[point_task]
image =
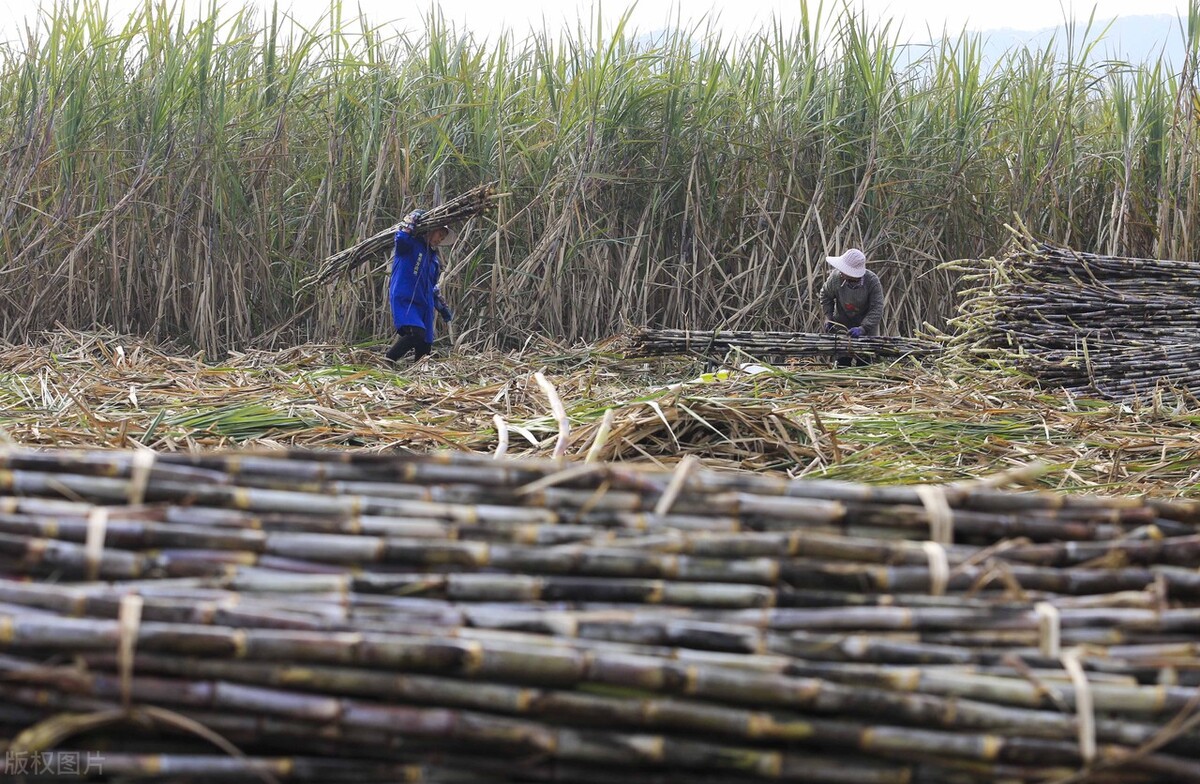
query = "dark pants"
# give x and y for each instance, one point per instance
(410, 339)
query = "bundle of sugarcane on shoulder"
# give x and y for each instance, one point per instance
(349, 617)
(413, 291)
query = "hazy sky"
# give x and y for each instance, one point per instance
(738, 15)
(490, 16)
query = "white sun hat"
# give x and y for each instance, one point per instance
(852, 263)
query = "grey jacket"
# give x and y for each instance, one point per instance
(854, 307)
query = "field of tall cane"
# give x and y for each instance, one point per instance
(179, 177)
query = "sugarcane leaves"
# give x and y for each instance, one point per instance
(240, 422)
(147, 437)
(657, 409)
(683, 407)
(525, 433)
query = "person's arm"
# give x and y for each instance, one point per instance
(403, 244)
(875, 308)
(828, 299)
(441, 306)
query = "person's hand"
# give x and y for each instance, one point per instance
(856, 332)
(831, 326)
(445, 311)
(408, 223)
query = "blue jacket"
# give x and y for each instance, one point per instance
(413, 288)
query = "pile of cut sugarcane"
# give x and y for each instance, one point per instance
(1117, 327)
(651, 342)
(465, 206)
(353, 617)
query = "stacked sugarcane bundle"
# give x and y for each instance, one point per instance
(652, 342)
(474, 202)
(450, 617)
(1117, 327)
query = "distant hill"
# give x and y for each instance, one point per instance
(1133, 39)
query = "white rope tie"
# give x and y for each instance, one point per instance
(129, 621)
(1049, 630)
(93, 546)
(939, 567)
(139, 475)
(941, 517)
(1084, 706)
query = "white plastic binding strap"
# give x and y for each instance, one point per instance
(941, 517)
(93, 546)
(1083, 705)
(1049, 630)
(139, 475)
(129, 621)
(939, 568)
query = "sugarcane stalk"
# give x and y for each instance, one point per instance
(465, 476)
(470, 725)
(664, 714)
(657, 342)
(528, 664)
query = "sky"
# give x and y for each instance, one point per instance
(914, 18)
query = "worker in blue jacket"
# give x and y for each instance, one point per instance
(413, 290)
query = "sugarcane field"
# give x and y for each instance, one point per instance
(388, 401)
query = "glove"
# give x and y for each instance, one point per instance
(445, 312)
(408, 223)
(831, 326)
(856, 332)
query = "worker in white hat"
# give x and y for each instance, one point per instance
(852, 297)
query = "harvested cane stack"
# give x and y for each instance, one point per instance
(1117, 327)
(343, 617)
(651, 342)
(476, 201)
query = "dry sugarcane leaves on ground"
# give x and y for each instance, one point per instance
(890, 422)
